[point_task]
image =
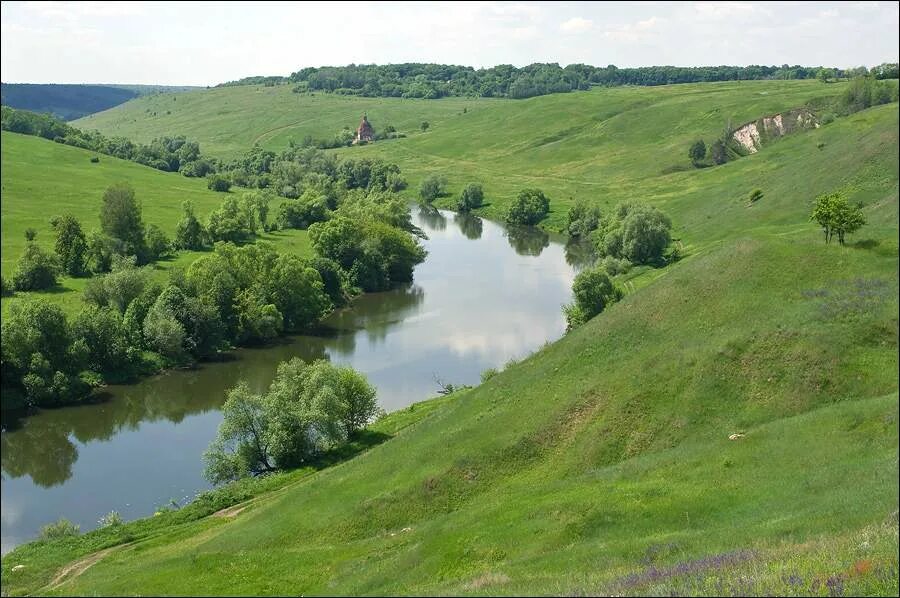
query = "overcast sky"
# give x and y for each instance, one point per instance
(208, 43)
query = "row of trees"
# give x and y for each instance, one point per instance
(132, 325)
(430, 81)
(234, 295)
(122, 233)
(298, 169)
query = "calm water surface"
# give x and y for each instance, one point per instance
(484, 295)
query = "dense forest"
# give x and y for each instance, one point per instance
(430, 81)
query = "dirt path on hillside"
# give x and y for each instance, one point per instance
(75, 569)
(287, 126)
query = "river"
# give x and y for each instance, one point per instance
(485, 294)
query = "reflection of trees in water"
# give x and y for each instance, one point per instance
(432, 218)
(42, 452)
(527, 240)
(470, 226)
(580, 253)
(375, 313)
(41, 446)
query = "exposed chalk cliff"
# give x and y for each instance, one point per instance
(754, 134)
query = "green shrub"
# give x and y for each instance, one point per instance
(95, 160)
(218, 183)
(755, 195)
(615, 266)
(61, 529)
(111, 519)
(432, 187)
(36, 270)
(583, 218)
(488, 374)
(593, 291)
(529, 207)
(471, 198)
(158, 244)
(636, 232)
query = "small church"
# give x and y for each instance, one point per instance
(365, 132)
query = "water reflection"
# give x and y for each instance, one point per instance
(527, 240)
(469, 225)
(432, 218)
(44, 453)
(580, 253)
(475, 304)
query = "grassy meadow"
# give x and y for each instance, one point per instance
(42, 179)
(601, 464)
(606, 144)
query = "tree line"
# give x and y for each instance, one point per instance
(237, 294)
(432, 81)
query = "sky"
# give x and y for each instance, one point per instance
(202, 43)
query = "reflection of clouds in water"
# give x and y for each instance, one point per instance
(474, 305)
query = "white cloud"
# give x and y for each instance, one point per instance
(576, 25)
(729, 10)
(634, 31)
(181, 43)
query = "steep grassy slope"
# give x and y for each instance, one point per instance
(229, 120)
(605, 144)
(602, 464)
(42, 179)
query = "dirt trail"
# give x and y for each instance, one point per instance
(232, 511)
(75, 569)
(279, 128)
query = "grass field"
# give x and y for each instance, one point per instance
(602, 464)
(605, 144)
(42, 179)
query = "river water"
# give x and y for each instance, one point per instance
(485, 294)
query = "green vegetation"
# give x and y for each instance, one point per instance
(636, 232)
(432, 81)
(36, 270)
(309, 409)
(593, 291)
(836, 216)
(166, 153)
(603, 463)
(135, 322)
(608, 144)
(471, 198)
(432, 187)
(529, 207)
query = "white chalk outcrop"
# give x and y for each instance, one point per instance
(754, 134)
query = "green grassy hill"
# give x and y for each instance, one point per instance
(602, 464)
(42, 179)
(607, 144)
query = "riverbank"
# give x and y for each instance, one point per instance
(33, 567)
(484, 296)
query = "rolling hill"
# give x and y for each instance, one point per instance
(602, 464)
(606, 144)
(42, 179)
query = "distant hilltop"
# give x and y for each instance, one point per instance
(432, 81)
(71, 101)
